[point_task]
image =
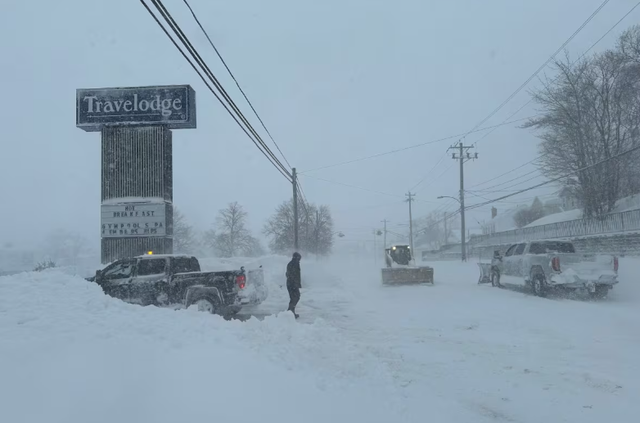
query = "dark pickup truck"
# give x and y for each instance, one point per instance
(177, 281)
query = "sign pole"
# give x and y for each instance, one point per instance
(137, 162)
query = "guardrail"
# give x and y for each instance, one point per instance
(611, 224)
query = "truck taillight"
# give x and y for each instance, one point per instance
(555, 264)
(241, 281)
(615, 264)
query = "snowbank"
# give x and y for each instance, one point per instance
(454, 352)
(71, 354)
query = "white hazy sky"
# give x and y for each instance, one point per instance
(333, 80)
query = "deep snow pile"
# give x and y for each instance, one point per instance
(70, 354)
(454, 352)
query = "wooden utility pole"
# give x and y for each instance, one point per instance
(410, 200)
(446, 234)
(295, 208)
(385, 232)
(375, 248)
(463, 156)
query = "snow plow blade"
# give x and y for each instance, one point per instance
(407, 275)
(485, 273)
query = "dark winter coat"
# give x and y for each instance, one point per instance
(293, 274)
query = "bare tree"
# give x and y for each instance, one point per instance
(629, 44)
(589, 114)
(315, 229)
(321, 237)
(184, 237)
(431, 231)
(231, 235)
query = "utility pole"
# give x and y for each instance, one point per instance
(446, 234)
(375, 248)
(463, 155)
(385, 232)
(317, 230)
(295, 208)
(410, 200)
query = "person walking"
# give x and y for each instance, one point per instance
(294, 282)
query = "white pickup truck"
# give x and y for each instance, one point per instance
(547, 264)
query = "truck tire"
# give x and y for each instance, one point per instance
(207, 304)
(539, 285)
(207, 299)
(600, 293)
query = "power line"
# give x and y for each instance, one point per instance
(512, 180)
(193, 52)
(429, 172)
(433, 181)
(508, 172)
(544, 65)
(508, 119)
(573, 63)
(361, 188)
(411, 147)
(235, 80)
(555, 179)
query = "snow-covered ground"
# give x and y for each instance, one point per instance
(452, 352)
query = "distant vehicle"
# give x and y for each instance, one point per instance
(551, 264)
(177, 281)
(399, 270)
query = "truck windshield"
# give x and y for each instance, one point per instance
(551, 247)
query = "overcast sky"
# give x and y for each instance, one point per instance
(334, 81)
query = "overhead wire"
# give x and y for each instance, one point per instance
(193, 52)
(567, 175)
(544, 65)
(405, 148)
(363, 189)
(433, 181)
(508, 172)
(235, 80)
(508, 118)
(429, 172)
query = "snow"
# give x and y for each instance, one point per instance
(557, 217)
(503, 221)
(127, 200)
(453, 352)
(622, 205)
(628, 203)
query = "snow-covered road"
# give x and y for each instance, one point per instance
(452, 352)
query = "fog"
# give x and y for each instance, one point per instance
(334, 81)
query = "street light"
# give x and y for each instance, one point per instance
(463, 248)
(448, 196)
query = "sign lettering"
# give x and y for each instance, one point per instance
(131, 220)
(172, 105)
